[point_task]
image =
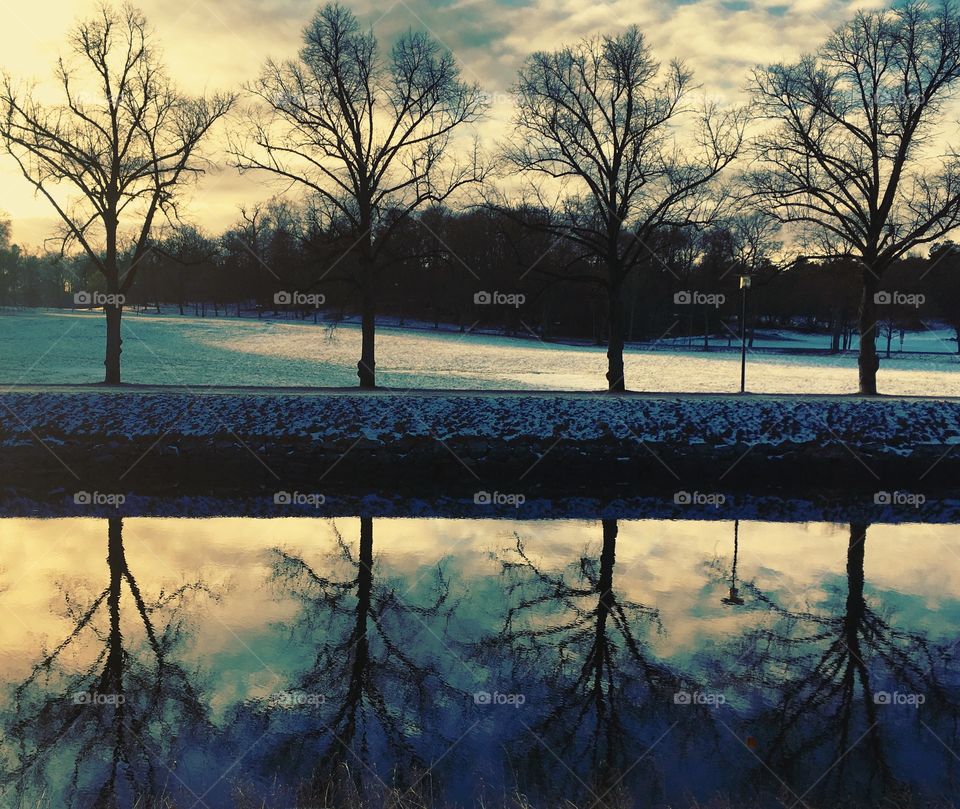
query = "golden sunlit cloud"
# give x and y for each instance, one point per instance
(212, 45)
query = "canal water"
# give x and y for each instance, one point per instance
(452, 662)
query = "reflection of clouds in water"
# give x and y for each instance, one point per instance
(95, 710)
(663, 563)
(265, 635)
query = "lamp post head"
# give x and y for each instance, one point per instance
(734, 598)
(745, 282)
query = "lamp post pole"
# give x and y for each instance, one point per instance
(734, 597)
(744, 286)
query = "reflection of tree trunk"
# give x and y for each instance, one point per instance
(345, 724)
(606, 603)
(607, 559)
(112, 677)
(111, 680)
(854, 627)
(601, 652)
(360, 642)
(856, 606)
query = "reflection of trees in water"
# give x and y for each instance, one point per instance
(597, 698)
(384, 694)
(98, 733)
(822, 670)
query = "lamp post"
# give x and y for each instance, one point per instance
(734, 597)
(744, 286)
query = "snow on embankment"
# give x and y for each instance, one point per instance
(449, 439)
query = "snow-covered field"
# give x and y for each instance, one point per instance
(41, 346)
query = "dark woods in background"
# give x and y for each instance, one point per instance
(278, 248)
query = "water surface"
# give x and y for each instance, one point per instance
(306, 662)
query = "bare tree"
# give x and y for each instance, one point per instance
(853, 156)
(369, 135)
(121, 142)
(594, 131)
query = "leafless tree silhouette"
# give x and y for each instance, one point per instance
(594, 134)
(121, 143)
(369, 136)
(854, 158)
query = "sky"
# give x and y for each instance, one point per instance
(212, 45)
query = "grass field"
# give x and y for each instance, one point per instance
(52, 346)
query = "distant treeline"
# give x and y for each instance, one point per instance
(484, 269)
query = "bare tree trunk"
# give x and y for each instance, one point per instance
(112, 360)
(868, 360)
(615, 340)
(366, 368)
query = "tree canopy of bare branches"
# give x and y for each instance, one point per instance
(112, 154)
(853, 157)
(595, 137)
(368, 134)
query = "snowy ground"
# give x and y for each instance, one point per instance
(67, 347)
(900, 425)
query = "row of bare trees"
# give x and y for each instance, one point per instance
(608, 150)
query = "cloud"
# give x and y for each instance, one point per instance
(214, 44)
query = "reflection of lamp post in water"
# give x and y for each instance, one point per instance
(734, 597)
